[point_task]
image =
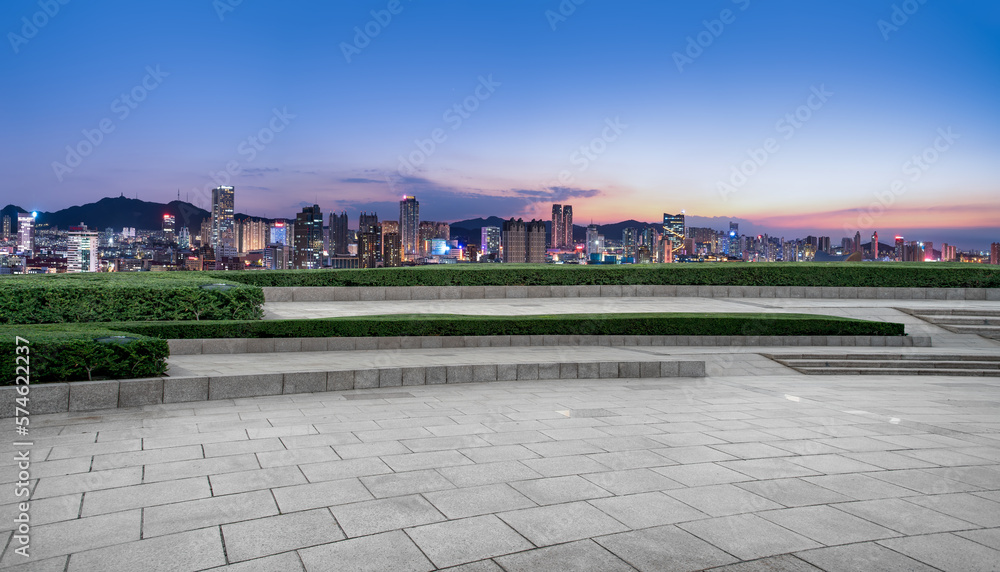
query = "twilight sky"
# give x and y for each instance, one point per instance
(799, 116)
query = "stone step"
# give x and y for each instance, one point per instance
(977, 320)
(956, 312)
(987, 331)
(897, 364)
(890, 371)
(888, 356)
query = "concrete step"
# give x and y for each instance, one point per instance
(986, 331)
(892, 371)
(964, 320)
(899, 364)
(956, 312)
(887, 357)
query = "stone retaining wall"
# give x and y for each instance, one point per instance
(97, 395)
(268, 345)
(377, 293)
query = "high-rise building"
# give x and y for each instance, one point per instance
(442, 230)
(391, 243)
(874, 245)
(823, 244)
(558, 228)
(26, 232)
(369, 240)
(490, 241)
(409, 219)
(629, 242)
(948, 253)
(253, 234)
(995, 253)
(223, 221)
(900, 245)
(6, 227)
(338, 234)
(513, 241)
(568, 241)
(535, 237)
(928, 252)
(279, 233)
(674, 232)
(733, 240)
(857, 241)
(82, 255)
(426, 232)
(184, 238)
(595, 242)
(169, 227)
(309, 238)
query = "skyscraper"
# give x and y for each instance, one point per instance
(595, 242)
(223, 223)
(874, 245)
(309, 238)
(629, 242)
(535, 237)
(900, 244)
(490, 240)
(6, 226)
(513, 241)
(568, 241)
(279, 233)
(995, 253)
(81, 255)
(391, 244)
(369, 240)
(558, 228)
(169, 227)
(409, 220)
(733, 244)
(673, 232)
(426, 232)
(338, 233)
(26, 232)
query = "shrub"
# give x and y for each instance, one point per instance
(707, 324)
(77, 352)
(104, 298)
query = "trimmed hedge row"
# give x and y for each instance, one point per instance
(77, 352)
(685, 324)
(105, 298)
(924, 275)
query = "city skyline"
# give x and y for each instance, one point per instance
(821, 119)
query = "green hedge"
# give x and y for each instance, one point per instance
(925, 275)
(74, 353)
(108, 297)
(686, 324)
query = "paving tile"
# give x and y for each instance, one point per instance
(947, 552)
(467, 540)
(923, 482)
(635, 459)
(43, 511)
(387, 552)
(748, 536)
(199, 467)
(985, 477)
(408, 483)
(559, 448)
(284, 458)
(487, 473)
(783, 563)
(722, 500)
(963, 506)
(752, 450)
(285, 562)
(694, 454)
(554, 490)
(201, 549)
(646, 510)
(860, 487)
(827, 525)
(336, 470)
(889, 460)
(832, 464)
(43, 469)
(138, 496)
(581, 556)
(266, 536)
(57, 564)
(702, 474)
(86, 482)
(793, 492)
(72, 536)
(862, 556)
(382, 515)
(316, 495)
(194, 439)
(475, 501)
(989, 537)
(241, 447)
(904, 517)
(429, 460)
(548, 525)
(91, 449)
(444, 443)
(320, 440)
(191, 515)
(769, 468)
(139, 458)
(631, 481)
(666, 548)
(378, 449)
(564, 465)
(230, 483)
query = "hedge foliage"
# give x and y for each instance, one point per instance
(74, 353)
(125, 296)
(924, 275)
(685, 324)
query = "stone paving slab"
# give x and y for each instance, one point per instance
(739, 472)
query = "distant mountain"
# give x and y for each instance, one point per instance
(120, 212)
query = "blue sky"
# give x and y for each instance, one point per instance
(625, 109)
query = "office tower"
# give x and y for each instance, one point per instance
(595, 242)
(513, 241)
(205, 233)
(568, 241)
(948, 253)
(442, 230)
(995, 253)
(184, 238)
(928, 252)
(26, 232)
(169, 227)
(629, 242)
(490, 240)
(874, 245)
(857, 241)
(6, 227)
(674, 232)
(81, 255)
(900, 245)
(391, 243)
(338, 234)
(309, 238)
(223, 223)
(369, 240)
(409, 219)
(426, 231)
(253, 234)
(535, 236)
(823, 244)
(279, 233)
(558, 228)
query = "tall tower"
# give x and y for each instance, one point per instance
(568, 241)
(26, 232)
(673, 231)
(338, 233)
(558, 227)
(535, 242)
(223, 223)
(875, 245)
(81, 255)
(309, 238)
(513, 241)
(169, 227)
(409, 221)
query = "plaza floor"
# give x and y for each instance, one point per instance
(755, 467)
